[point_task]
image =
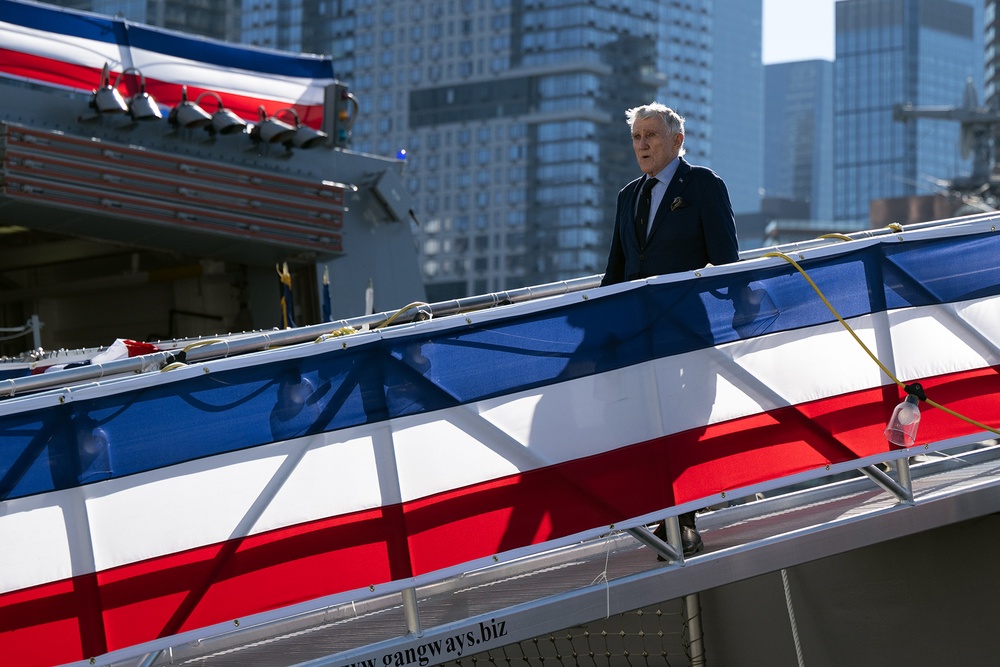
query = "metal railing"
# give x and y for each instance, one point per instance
(243, 343)
(235, 344)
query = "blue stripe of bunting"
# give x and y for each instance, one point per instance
(226, 411)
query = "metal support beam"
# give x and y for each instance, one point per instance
(669, 551)
(902, 493)
(411, 611)
(903, 473)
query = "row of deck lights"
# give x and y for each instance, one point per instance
(190, 114)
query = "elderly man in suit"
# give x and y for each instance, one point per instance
(675, 217)
(689, 219)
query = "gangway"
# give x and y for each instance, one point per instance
(540, 607)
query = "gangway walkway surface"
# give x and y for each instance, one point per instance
(496, 606)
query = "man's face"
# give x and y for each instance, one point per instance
(654, 146)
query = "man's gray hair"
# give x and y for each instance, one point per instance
(672, 121)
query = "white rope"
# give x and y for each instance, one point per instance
(791, 617)
(603, 576)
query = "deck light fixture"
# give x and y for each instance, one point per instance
(106, 98)
(187, 114)
(141, 106)
(305, 136)
(270, 130)
(224, 121)
(902, 428)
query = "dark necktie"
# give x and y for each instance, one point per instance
(642, 213)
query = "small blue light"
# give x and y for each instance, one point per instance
(401, 154)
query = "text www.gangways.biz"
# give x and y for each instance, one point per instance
(422, 654)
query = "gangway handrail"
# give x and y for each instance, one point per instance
(889, 230)
(244, 343)
(234, 344)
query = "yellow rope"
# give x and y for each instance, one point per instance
(885, 370)
(336, 333)
(345, 331)
(191, 346)
(202, 343)
(415, 304)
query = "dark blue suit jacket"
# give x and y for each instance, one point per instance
(694, 226)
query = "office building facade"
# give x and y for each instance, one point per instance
(738, 148)
(991, 70)
(218, 19)
(798, 133)
(888, 53)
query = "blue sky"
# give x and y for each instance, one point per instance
(797, 30)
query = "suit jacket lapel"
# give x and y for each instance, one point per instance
(636, 187)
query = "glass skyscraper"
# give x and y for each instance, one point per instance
(891, 52)
(798, 132)
(738, 101)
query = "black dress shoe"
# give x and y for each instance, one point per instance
(691, 541)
